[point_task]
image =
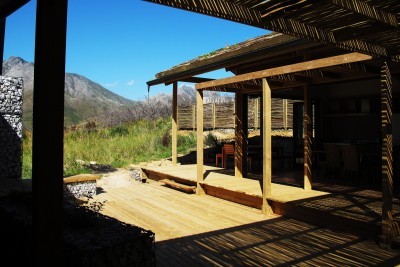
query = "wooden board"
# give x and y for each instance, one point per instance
(182, 187)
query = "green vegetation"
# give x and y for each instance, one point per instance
(119, 146)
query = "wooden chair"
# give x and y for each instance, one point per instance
(227, 150)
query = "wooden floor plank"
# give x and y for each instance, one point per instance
(194, 230)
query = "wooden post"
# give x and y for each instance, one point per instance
(389, 227)
(2, 39)
(240, 136)
(261, 121)
(200, 142)
(307, 124)
(48, 137)
(174, 123)
(266, 137)
(245, 133)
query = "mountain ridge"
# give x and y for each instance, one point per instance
(84, 98)
(87, 100)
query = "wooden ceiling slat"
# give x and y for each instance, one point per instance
(325, 21)
(216, 8)
(368, 11)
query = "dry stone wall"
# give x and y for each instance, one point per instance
(11, 95)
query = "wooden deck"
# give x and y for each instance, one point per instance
(194, 230)
(339, 207)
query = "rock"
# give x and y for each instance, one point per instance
(80, 162)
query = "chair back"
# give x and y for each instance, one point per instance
(229, 149)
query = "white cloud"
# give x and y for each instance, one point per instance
(113, 84)
(130, 83)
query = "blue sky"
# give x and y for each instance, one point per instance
(122, 44)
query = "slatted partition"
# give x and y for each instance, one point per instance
(217, 116)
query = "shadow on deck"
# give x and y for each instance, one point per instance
(275, 242)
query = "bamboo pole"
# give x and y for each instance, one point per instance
(266, 137)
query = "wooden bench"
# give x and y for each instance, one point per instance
(81, 185)
(182, 187)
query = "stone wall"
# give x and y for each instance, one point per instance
(11, 95)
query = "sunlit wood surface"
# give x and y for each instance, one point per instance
(220, 178)
(194, 230)
(360, 205)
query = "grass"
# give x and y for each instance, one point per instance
(119, 146)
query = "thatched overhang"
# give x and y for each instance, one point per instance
(229, 57)
(366, 26)
(271, 51)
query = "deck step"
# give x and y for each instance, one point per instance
(182, 187)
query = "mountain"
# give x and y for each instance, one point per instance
(83, 98)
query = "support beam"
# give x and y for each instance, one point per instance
(174, 123)
(267, 154)
(308, 65)
(187, 80)
(240, 135)
(2, 39)
(200, 142)
(389, 227)
(245, 133)
(47, 143)
(307, 124)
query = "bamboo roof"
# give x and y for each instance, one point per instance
(270, 51)
(366, 26)
(230, 56)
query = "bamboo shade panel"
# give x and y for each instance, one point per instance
(223, 116)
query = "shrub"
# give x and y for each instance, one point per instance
(210, 140)
(119, 131)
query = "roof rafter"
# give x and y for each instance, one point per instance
(309, 65)
(191, 80)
